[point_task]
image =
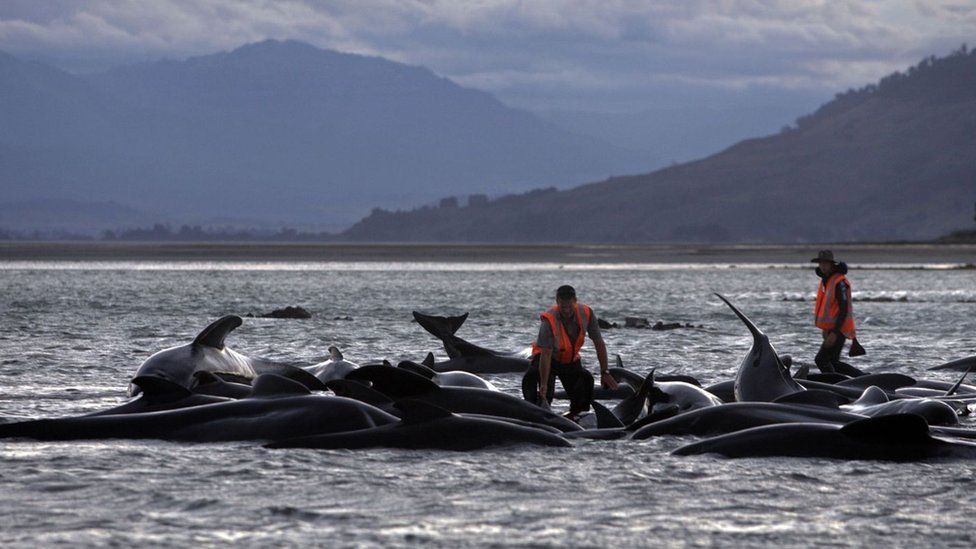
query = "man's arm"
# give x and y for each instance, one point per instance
(842, 301)
(593, 329)
(606, 380)
(545, 363)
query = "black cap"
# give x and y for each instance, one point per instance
(824, 255)
(565, 292)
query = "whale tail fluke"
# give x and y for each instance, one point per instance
(440, 326)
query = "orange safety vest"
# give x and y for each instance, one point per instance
(827, 308)
(565, 351)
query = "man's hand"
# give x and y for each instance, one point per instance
(544, 402)
(607, 381)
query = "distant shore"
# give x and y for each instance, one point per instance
(908, 254)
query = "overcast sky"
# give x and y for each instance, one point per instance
(600, 55)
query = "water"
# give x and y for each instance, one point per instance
(73, 333)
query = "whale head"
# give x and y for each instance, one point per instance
(762, 376)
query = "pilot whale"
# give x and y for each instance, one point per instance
(902, 437)
(466, 356)
(425, 425)
(336, 367)
(398, 384)
(762, 376)
(208, 352)
(278, 408)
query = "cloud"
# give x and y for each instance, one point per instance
(535, 52)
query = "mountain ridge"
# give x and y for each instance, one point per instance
(277, 132)
(889, 161)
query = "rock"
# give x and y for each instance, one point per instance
(636, 322)
(660, 326)
(288, 312)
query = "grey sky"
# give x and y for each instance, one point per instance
(610, 55)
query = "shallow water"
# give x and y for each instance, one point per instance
(71, 338)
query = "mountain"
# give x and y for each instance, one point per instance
(893, 160)
(275, 131)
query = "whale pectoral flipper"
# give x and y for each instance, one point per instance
(604, 417)
(418, 411)
(214, 334)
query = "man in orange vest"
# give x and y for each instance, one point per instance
(834, 315)
(555, 353)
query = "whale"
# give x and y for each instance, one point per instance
(157, 395)
(887, 381)
(624, 375)
(684, 395)
(208, 352)
(465, 356)
(874, 402)
(736, 416)
(427, 426)
(966, 364)
(762, 376)
(336, 367)
(277, 408)
(901, 437)
(398, 384)
(447, 379)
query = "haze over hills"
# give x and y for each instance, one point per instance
(893, 160)
(275, 132)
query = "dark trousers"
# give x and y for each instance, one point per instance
(577, 382)
(828, 359)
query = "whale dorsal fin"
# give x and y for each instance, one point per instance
(157, 389)
(620, 362)
(604, 417)
(357, 391)
(429, 360)
(335, 353)
(896, 428)
(418, 411)
(273, 385)
(871, 396)
(214, 335)
(417, 369)
(393, 382)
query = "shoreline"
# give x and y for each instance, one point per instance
(901, 253)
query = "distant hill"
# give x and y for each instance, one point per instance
(891, 161)
(275, 132)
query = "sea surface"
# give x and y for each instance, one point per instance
(72, 334)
